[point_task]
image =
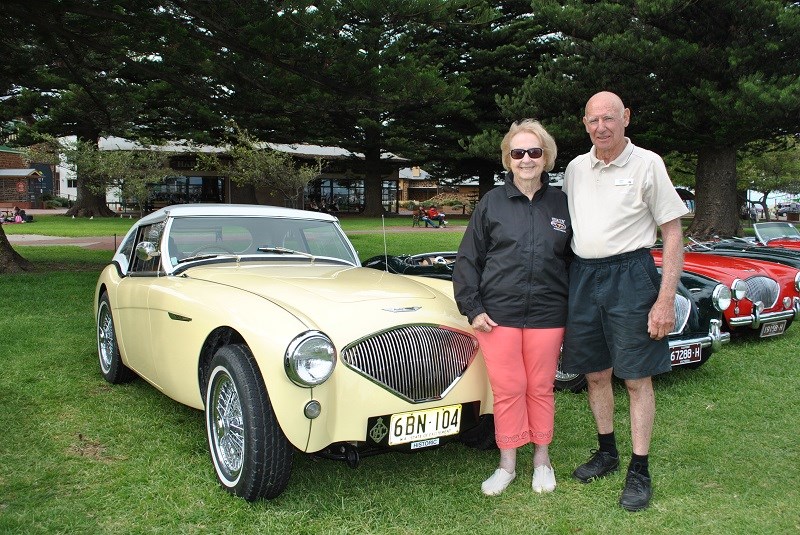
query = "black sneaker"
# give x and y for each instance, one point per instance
(637, 492)
(600, 464)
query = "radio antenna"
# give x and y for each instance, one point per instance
(385, 254)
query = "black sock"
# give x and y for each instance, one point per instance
(608, 443)
(639, 465)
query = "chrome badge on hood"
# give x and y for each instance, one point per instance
(401, 309)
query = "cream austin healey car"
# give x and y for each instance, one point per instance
(263, 318)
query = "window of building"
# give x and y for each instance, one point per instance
(187, 189)
(346, 195)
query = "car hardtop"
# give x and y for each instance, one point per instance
(216, 209)
(168, 217)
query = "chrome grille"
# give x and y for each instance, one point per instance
(682, 308)
(763, 289)
(417, 362)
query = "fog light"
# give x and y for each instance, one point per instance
(787, 302)
(312, 409)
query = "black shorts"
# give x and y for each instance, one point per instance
(609, 301)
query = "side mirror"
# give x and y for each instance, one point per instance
(146, 251)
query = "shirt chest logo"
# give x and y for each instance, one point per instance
(558, 224)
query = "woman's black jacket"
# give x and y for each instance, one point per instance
(513, 261)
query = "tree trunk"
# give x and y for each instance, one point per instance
(373, 207)
(90, 203)
(10, 260)
(485, 181)
(91, 200)
(717, 212)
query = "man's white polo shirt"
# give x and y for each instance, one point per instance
(617, 207)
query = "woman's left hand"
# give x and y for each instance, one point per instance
(483, 323)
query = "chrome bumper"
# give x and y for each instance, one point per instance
(758, 317)
(714, 339)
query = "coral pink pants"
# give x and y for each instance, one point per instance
(522, 366)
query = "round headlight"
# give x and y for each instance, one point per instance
(797, 281)
(721, 297)
(310, 359)
(738, 289)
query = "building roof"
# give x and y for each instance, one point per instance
(20, 173)
(330, 153)
(297, 149)
(414, 173)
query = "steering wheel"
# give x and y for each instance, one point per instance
(210, 247)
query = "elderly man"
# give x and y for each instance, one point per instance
(620, 309)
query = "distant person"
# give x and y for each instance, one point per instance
(10, 218)
(437, 216)
(422, 214)
(620, 308)
(510, 281)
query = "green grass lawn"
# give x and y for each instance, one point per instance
(81, 456)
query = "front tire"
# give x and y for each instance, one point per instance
(111, 365)
(252, 457)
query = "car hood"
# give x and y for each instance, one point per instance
(718, 267)
(348, 302)
(786, 243)
(297, 282)
(787, 257)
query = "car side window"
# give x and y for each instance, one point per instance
(152, 234)
(124, 255)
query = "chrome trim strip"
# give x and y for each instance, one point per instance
(714, 339)
(756, 320)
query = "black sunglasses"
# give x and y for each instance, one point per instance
(518, 154)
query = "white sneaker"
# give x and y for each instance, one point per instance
(498, 482)
(544, 479)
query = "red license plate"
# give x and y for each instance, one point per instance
(773, 329)
(686, 354)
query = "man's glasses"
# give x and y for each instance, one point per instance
(518, 154)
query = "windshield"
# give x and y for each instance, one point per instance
(204, 237)
(775, 230)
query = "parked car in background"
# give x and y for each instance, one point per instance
(698, 310)
(785, 208)
(264, 318)
(764, 294)
(777, 234)
(747, 248)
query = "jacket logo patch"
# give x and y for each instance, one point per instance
(558, 224)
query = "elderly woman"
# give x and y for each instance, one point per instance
(510, 280)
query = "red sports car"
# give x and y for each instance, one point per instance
(766, 295)
(777, 234)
